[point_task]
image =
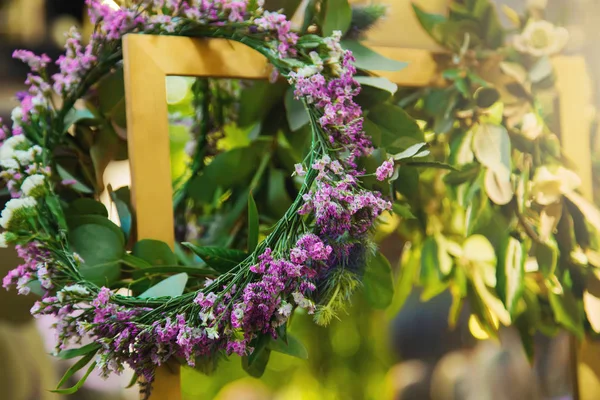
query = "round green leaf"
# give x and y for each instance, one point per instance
(101, 245)
(377, 281)
(491, 145)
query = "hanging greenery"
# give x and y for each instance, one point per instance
(508, 233)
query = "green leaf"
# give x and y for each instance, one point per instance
(430, 164)
(338, 16)
(546, 255)
(463, 175)
(226, 170)
(297, 115)
(398, 129)
(485, 97)
(101, 244)
(258, 367)
(498, 188)
(53, 204)
(74, 116)
(492, 148)
(123, 209)
(218, 258)
(82, 362)
(253, 224)
(368, 60)
(430, 22)
(403, 210)
(173, 286)
(431, 270)
(256, 362)
(410, 152)
(79, 384)
(511, 273)
(66, 176)
(155, 252)
(278, 199)
(87, 207)
(107, 147)
(567, 312)
(378, 283)
(291, 346)
(72, 353)
(257, 100)
(378, 82)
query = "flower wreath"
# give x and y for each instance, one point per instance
(303, 262)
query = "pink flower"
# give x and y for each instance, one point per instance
(386, 170)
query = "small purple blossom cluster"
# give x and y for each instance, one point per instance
(341, 116)
(229, 313)
(34, 268)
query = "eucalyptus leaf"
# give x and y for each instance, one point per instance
(546, 255)
(67, 176)
(410, 152)
(430, 164)
(567, 312)
(121, 199)
(87, 207)
(398, 129)
(154, 252)
(101, 244)
(511, 273)
(338, 16)
(485, 97)
(498, 189)
(377, 82)
(297, 115)
(77, 115)
(430, 22)
(368, 60)
(290, 346)
(172, 286)
(377, 281)
(492, 148)
(431, 276)
(220, 259)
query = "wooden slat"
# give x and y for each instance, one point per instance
(147, 62)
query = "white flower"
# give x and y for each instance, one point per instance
(541, 38)
(15, 209)
(307, 71)
(7, 151)
(76, 289)
(17, 115)
(238, 312)
(205, 317)
(212, 333)
(550, 185)
(531, 127)
(34, 186)
(3, 242)
(299, 170)
(25, 157)
(285, 309)
(9, 164)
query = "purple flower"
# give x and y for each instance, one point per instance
(386, 170)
